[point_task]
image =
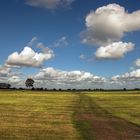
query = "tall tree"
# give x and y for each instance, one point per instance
(29, 82)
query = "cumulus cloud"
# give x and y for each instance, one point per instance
(137, 62)
(66, 79)
(7, 75)
(29, 58)
(115, 50)
(109, 24)
(129, 80)
(15, 80)
(4, 71)
(49, 4)
(129, 76)
(55, 78)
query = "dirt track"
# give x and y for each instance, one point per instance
(101, 125)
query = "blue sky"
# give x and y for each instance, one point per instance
(61, 27)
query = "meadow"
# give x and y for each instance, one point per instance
(36, 115)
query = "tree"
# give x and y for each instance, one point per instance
(4, 86)
(124, 89)
(29, 83)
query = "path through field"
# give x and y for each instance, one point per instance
(93, 122)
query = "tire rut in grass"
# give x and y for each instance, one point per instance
(81, 123)
(93, 122)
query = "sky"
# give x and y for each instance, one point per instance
(70, 43)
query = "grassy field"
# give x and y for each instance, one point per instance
(69, 116)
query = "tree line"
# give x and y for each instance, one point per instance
(29, 83)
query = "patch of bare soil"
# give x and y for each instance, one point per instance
(111, 128)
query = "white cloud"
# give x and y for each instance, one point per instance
(4, 71)
(15, 80)
(49, 4)
(72, 79)
(7, 75)
(82, 56)
(129, 76)
(129, 80)
(137, 62)
(55, 78)
(109, 24)
(62, 42)
(29, 58)
(30, 43)
(114, 51)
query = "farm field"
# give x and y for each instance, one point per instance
(32, 115)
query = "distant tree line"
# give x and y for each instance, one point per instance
(29, 83)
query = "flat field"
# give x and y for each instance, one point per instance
(31, 115)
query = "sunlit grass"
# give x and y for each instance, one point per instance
(37, 116)
(122, 105)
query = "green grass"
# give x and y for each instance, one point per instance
(122, 105)
(60, 116)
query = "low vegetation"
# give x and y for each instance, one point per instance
(36, 115)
